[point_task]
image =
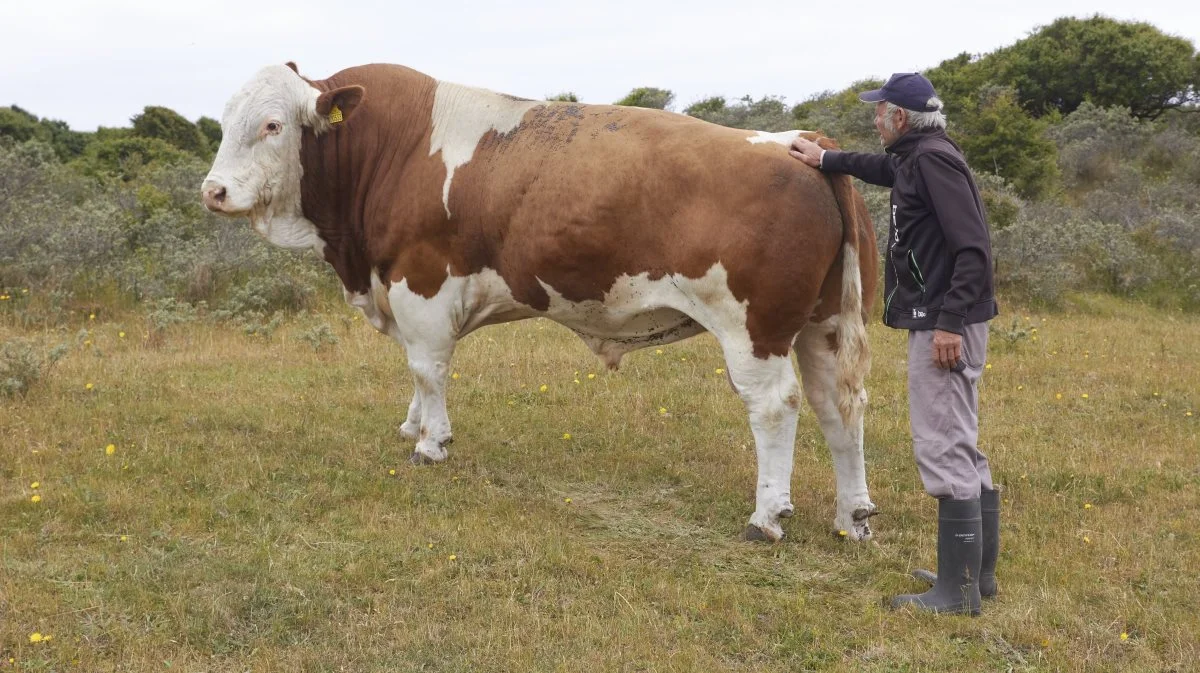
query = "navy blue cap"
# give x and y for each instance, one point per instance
(909, 90)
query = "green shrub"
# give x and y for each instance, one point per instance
(23, 365)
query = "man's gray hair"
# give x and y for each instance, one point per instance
(920, 120)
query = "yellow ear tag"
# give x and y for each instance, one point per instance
(335, 115)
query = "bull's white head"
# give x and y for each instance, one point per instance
(257, 169)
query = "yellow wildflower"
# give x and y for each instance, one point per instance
(576, 381)
(91, 316)
(1058, 396)
(1124, 636)
(544, 388)
(454, 557)
(431, 545)
(1084, 396)
(567, 500)
(110, 449)
(454, 376)
(88, 386)
(591, 376)
(392, 473)
(36, 499)
(1087, 505)
(658, 351)
(842, 533)
(35, 637)
(1087, 540)
(1020, 387)
(988, 366)
(566, 435)
(662, 411)
(124, 538)
(121, 334)
(719, 370)
(35, 485)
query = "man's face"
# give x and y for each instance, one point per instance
(889, 128)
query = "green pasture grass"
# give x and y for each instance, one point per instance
(248, 517)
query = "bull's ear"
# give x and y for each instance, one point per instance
(292, 65)
(337, 105)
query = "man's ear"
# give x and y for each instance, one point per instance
(337, 105)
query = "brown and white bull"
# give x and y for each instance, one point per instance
(444, 208)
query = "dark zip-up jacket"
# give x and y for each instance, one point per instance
(939, 269)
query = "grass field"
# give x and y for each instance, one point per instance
(247, 517)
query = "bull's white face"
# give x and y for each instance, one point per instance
(257, 169)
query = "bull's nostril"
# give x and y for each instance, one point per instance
(219, 195)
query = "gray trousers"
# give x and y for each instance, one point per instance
(943, 409)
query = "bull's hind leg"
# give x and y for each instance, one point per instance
(772, 396)
(817, 356)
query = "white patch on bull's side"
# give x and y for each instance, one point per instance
(261, 172)
(781, 137)
(462, 115)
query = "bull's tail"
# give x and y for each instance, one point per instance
(853, 351)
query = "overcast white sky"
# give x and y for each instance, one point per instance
(99, 62)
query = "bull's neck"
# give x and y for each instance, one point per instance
(352, 171)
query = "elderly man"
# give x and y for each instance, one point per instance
(938, 285)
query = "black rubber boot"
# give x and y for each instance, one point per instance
(989, 504)
(960, 554)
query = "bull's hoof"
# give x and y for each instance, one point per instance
(787, 511)
(862, 522)
(418, 458)
(755, 534)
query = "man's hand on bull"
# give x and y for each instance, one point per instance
(807, 151)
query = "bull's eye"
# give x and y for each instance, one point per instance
(274, 127)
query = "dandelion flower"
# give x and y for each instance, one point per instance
(1058, 396)
(567, 500)
(576, 381)
(1084, 396)
(35, 637)
(454, 376)
(110, 449)
(91, 316)
(662, 411)
(1087, 540)
(1034, 330)
(842, 533)
(121, 334)
(658, 351)
(392, 472)
(988, 366)
(1124, 636)
(683, 359)
(36, 499)
(566, 435)
(1087, 505)
(719, 370)
(544, 388)
(1045, 642)
(430, 545)
(454, 557)
(35, 485)
(1020, 387)
(88, 386)
(591, 376)
(1188, 414)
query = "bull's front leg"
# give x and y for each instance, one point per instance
(411, 427)
(426, 328)
(430, 367)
